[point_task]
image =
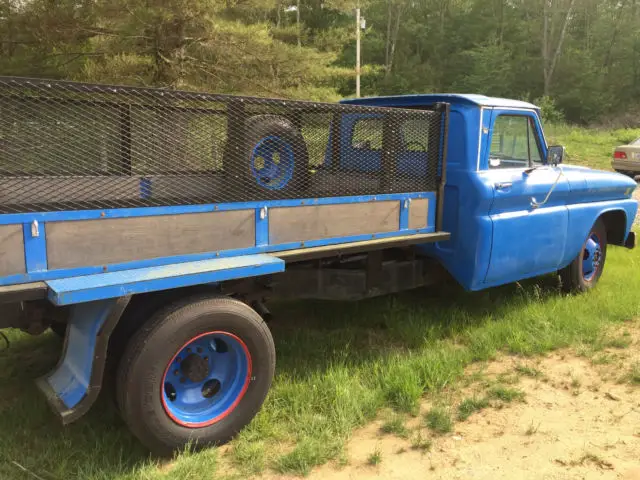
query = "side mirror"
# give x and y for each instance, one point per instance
(555, 155)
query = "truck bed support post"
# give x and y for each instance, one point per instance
(443, 109)
(390, 141)
(235, 138)
(125, 141)
(336, 138)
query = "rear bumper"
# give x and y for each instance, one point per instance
(631, 240)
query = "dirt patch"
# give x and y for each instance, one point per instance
(580, 418)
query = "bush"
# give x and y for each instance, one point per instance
(549, 110)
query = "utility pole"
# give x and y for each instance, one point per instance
(358, 52)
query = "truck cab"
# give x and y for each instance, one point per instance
(512, 211)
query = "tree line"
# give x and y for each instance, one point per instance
(579, 58)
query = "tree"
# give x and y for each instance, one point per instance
(550, 55)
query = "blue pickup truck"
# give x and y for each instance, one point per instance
(150, 227)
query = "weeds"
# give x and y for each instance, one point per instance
(528, 371)
(471, 405)
(439, 420)
(418, 442)
(375, 458)
(618, 342)
(505, 394)
(395, 425)
(575, 382)
(308, 454)
(634, 374)
(533, 429)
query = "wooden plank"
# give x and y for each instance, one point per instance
(119, 240)
(11, 250)
(23, 292)
(418, 213)
(316, 222)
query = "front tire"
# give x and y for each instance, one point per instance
(198, 371)
(584, 271)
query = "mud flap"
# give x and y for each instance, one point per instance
(73, 386)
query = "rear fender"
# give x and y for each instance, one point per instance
(73, 386)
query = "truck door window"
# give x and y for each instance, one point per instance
(514, 143)
(413, 136)
(367, 134)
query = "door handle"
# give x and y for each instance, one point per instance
(535, 204)
(503, 185)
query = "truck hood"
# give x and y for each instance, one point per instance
(598, 185)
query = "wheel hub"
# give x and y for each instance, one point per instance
(591, 257)
(206, 379)
(195, 368)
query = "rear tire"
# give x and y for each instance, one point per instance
(584, 271)
(198, 371)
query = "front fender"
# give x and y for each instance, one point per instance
(582, 217)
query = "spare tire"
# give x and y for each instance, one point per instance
(276, 156)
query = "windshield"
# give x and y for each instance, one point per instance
(636, 142)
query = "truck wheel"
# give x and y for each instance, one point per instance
(278, 157)
(584, 271)
(198, 371)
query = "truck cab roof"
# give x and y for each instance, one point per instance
(431, 98)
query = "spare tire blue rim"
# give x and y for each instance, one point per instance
(591, 257)
(272, 162)
(206, 379)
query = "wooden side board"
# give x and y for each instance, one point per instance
(81, 243)
(317, 222)
(12, 260)
(100, 242)
(418, 213)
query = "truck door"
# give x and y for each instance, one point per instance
(528, 232)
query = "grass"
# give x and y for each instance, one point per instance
(471, 405)
(418, 442)
(589, 146)
(375, 458)
(618, 342)
(633, 376)
(505, 394)
(395, 425)
(438, 420)
(528, 371)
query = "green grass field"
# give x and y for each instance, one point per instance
(589, 146)
(339, 365)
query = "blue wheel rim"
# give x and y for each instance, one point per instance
(206, 379)
(591, 257)
(272, 163)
